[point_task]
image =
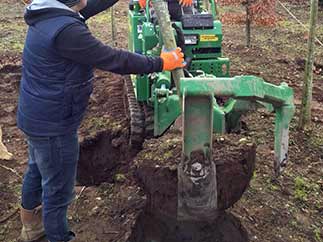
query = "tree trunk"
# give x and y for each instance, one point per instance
(248, 24)
(113, 29)
(305, 117)
(166, 30)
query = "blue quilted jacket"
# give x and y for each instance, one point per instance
(58, 60)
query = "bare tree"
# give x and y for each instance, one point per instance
(305, 117)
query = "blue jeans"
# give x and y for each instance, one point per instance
(49, 180)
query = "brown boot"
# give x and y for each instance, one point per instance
(32, 224)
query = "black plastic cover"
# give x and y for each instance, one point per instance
(197, 21)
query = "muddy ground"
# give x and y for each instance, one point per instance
(109, 198)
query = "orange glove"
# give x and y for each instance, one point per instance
(27, 1)
(172, 59)
(186, 3)
(142, 3)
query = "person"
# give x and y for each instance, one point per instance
(175, 7)
(57, 80)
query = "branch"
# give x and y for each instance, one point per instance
(9, 216)
(11, 170)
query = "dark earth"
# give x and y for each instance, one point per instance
(156, 170)
(113, 179)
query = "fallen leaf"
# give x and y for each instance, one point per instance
(4, 154)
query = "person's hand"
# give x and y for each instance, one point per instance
(186, 3)
(172, 59)
(142, 3)
(27, 1)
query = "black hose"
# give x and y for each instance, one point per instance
(180, 37)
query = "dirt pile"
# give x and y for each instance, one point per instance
(156, 170)
(150, 228)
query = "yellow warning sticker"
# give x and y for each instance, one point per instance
(209, 37)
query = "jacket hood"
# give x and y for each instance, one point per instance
(44, 9)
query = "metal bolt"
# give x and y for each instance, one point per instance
(197, 167)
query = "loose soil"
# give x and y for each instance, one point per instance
(287, 209)
(156, 170)
(151, 228)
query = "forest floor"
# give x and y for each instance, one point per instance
(108, 198)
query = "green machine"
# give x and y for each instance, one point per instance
(208, 98)
(202, 46)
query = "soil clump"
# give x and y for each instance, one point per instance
(156, 170)
(151, 228)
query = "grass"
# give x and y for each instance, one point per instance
(305, 188)
(13, 27)
(317, 235)
(120, 178)
(300, 192)
(96, 124)
(12, 36)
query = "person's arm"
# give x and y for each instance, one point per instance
(76, 43)
(94, 7)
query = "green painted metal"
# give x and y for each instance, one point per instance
(135, 19)
(166, 111)
(197, 185)
(142, 87)
(149, 37)
(213, 8)
(250, 89)
(219, 119)
(233, 110)
(206, 38)
(144, 37)
(218, 67)
(163, 79)
(197, 112)
(239, 87)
